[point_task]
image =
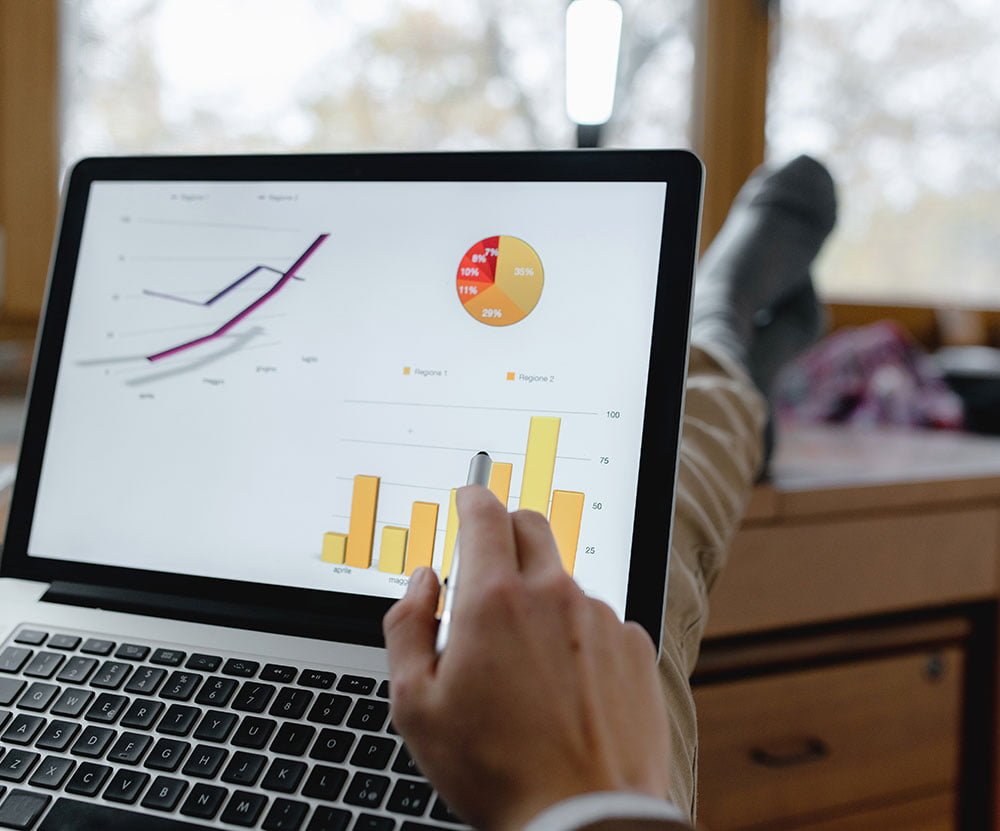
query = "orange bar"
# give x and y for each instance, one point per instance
(500, 475)
(361, 532)
(565, 519)
(423, 531)
(390, 553)
(450, 535)
(539, 464)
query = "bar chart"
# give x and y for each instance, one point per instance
(401, 551)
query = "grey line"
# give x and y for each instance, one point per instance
(459, 449)
(467, 407)
(216, 225)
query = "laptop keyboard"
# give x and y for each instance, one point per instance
(104, 733)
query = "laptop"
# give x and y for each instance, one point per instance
(258, 382)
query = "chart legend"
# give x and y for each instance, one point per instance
(500, 280)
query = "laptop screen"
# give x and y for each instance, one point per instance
(283, 382)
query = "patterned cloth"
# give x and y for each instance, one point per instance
(872, 375)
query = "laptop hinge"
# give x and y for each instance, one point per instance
(199, 610)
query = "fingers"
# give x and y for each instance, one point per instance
(536, 547)
(485, 537)
(410, 629)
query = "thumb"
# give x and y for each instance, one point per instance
(410, 629)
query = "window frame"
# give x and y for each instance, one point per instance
(732, 57)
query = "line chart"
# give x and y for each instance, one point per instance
(283, 280)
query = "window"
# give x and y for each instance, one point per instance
(902, 99)
(318, 75)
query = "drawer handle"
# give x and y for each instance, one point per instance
(792, 753)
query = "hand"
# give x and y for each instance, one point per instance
(541, 694)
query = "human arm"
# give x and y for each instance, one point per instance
(542, 694)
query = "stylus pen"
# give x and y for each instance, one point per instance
(479, 474)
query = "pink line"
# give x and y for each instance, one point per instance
(260, 301)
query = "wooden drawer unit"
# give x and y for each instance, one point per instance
(801, 749)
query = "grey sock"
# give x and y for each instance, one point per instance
(761, 258)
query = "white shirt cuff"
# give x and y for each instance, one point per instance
(578, 811)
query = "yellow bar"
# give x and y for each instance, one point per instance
(450, 535)
(567, 513)
(539, 464)
(334, 546)
(500, 480)
(390, 552)
(423, 529)
(361, 532)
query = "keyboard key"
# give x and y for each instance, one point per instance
(253, 697)
(181, 686)
(125, 786)
(240, 668)
(141, 714)
(283, 775)
(178, 720)
(164, 793)
(57, 735)
(409, 825)
(111, 675)
(373, 752)
(145, 680)
(329, 708)
(357, 684)
(17, 764)
(383, 689)
(88, 779)
(10, 689)
(204, 663)
(244, 808)
(72, 702)
(107, 708)
(367, 790)
(325, 818)
(244, 768)
(254, 732)
(404, 763)
(23, 729)
(373, 822)
(205, 761)
(285, 815)
(4, 716)
(52, 772)
(44, 664)
(278, 673)
(293, 739)
(215, 726)
(21, 809)
(12, 658)
(291, 703)
(332, 745)
(443, 812)
(325, 782)
(64, 642)
(368, 714)
(129, 748)
(77, 670)
(93, 742)
(38, 697)
(216, 692)
(31, 637)
(132, 652)
(204, 801)
(72, 815)
(168, 657)
(167, 755)
(409, 796)
(317, 678)
(95, 646)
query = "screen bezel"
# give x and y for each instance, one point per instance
(681, 170)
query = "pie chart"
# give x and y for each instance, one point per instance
(500, 280)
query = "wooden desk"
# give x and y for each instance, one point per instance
(849, 675)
